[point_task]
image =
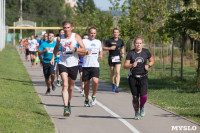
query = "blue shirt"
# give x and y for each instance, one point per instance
(80, 61)
(48, 54)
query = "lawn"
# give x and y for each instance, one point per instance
(179, 96)
(20, 108)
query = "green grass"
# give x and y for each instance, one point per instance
(20, 107)
(179, 96)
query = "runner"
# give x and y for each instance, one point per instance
(114, 45)
(32, 49)
(26, 49)
(91, 65)
(68, 63)
(21, 46)
(136, 61)
(45, 39)
(47, 48)
(80, 69)
(58, 82)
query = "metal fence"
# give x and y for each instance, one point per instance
(2, 24)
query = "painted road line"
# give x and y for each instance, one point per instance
(126, 123)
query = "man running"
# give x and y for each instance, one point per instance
(91, 65)
(47, 48)
(80, 68)
(32, 49)
(45, 39)
(68, 63)
(62, 35)
(114, 45)
(26, 49)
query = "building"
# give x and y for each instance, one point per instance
(72, 3)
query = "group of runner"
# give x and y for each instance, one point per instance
(68, 53)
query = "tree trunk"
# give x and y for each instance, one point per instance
(151, 36)
(172, 57)
(184, 37)
(163, 56)
(182, 50)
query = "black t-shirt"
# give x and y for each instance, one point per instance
(111, 42)
(141, 59)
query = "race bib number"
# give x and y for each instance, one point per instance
(94, 51)
(50, 50)
(116, 59)
(67, 51)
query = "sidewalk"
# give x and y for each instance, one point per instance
(113, 112)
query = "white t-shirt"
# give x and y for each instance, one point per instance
(68, 57)
(32, 45)
(92, 60)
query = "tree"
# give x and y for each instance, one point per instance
(182, 22)
(83, 5)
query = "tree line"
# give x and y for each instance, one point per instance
(161, 22)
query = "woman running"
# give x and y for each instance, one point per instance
(136, 61)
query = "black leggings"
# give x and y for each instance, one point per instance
(138, 86)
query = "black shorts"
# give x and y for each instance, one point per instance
(48, 69)
(80, 69)
(138, 86)
(41, 59)
(32, 52)
(113, 63)
(27, 51)
(72, 71)
(89, 72)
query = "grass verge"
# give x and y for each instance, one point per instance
(20, 109)
(179, 96)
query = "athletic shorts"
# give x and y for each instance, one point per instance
(80, 69)
(27, 51)
(113, 63)
(32, 52)
(41, 59)
(72, 71)
(138, 86)
(48, 69)
(89, 72)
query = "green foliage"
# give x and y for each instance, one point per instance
(41, 11)
(86, 5)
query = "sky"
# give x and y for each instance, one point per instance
(104, 4)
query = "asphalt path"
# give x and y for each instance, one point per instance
(113, 112)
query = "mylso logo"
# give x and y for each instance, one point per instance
(183, 128)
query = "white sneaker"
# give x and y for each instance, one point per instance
(93, 102)
(82, 93)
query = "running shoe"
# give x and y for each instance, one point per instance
(137, 116)
(53, 87)
(86, 103)
(116, 89)
(113, 87)
(82, 93)
(58, 83)
(67, 111)
(142, 112)
(48, 91)
(93, 102)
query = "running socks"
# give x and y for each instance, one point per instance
(143, 100)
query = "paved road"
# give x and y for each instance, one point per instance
(112, 114)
